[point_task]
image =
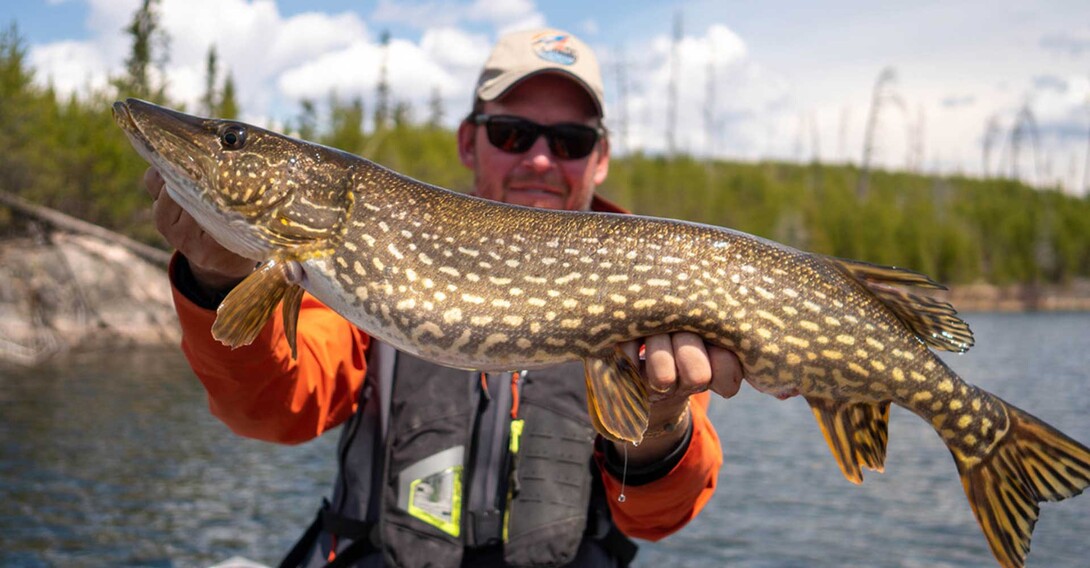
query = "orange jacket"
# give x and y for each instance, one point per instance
(260, 392)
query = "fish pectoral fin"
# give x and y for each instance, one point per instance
(245, 310)
(617, 397)
(1033, 462)
(293, 298)
(856, 433)
(935, 322)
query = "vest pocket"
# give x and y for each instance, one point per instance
(547, 515)
(421, 518)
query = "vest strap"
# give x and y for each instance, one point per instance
(362, 534)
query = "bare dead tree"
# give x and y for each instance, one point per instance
(987, 144)
(800, 137)
(882, 95)
(671, 103)
(842, 136)
(915, 146)
(710, 122)
(1086, 166)
(1025, 124)
(815, 139)
(621, 69)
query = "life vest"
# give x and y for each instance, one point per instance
(485, 469)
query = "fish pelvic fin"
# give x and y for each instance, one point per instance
(293, 299)
(245, 310)
(934, 322)
(856, 432)
(1031, 463)
(617, 398)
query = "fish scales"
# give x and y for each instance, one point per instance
(483, 285)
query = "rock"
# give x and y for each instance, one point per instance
(62, 291)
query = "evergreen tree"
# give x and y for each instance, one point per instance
(382, 90)
(149, 51)
(307, 124)
(346, 125)
(228, 103)
(435, 108)
(210, 101)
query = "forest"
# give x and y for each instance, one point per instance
(66, 153)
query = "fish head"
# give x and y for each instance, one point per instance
(255, 191)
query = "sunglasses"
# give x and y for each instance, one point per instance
(515, 135)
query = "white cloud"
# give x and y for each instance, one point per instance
(70, 66)
(506, 15)
(501, 15)
(419, 14)
(747, 97)
(455, 48)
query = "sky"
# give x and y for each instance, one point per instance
(777, 79)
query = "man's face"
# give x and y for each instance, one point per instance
(536, 177)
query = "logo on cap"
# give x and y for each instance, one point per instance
(553, 47)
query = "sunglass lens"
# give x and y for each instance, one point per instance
(572, 142)
(511, 134)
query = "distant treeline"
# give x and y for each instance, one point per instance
(68, 154)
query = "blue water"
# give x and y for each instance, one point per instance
(113, 459)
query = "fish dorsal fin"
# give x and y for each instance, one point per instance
(617, 397)
(933, 321)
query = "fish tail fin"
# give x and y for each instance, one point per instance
(1031, 463)
(245, 310)
(856, 432)
(617, 397)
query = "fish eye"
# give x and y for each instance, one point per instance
(232, 137)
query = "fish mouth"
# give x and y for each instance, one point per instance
(167, 139)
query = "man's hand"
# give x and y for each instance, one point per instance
(677, 366)
(214, 267)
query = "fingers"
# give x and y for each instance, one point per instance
(632, 350)
(694, 369)
(153, 182)
(659, 366)
(680, 365)
(212, 265)
(727, 372)
(169, 217)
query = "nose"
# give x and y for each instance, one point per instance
(539, 157)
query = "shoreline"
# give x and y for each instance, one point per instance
(982, 297)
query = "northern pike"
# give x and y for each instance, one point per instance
(471, 283)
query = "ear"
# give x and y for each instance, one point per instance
(601, 164)
(467, 144)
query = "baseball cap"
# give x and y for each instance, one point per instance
(523, 54)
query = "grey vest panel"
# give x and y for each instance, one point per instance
(431, 414)
(548, 514)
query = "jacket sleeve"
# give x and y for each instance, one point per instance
(258, 390)
(659, 508)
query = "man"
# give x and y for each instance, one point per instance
(444, 467)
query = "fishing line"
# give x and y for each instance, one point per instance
(624, 475)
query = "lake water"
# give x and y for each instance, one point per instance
(113, 459)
